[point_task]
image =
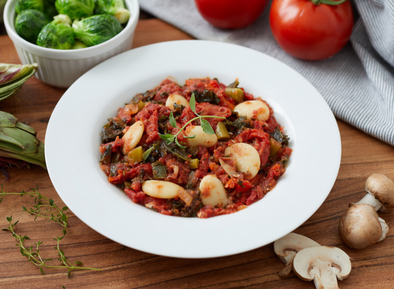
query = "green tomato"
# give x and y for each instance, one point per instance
(96, 29)
(75, 9)
(57, 34)
(28, 24)
(29, 4)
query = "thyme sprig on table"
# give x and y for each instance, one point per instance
(205, 125)
(44, 208)
(34, 255)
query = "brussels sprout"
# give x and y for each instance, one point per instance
(96, 29)
(28, 24)
(78, 45)
(113, 7)
(57, 34)
(75, 9)
(29, 4)
(50, 9)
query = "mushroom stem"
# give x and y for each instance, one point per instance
(369, 199)
(325, 278)
(385, 229)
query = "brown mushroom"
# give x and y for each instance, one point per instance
(361, 227)
(323, 265)
(380, 192)
(287, 247)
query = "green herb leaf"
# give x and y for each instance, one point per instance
(192, 103)
(206, 127)
(167, 137)
(146, 154)
(185, 136)
(176, 141)
(172, 120)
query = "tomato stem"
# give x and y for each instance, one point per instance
(327, 2)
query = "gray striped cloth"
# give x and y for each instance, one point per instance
(357, 83)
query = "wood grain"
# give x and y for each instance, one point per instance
(127, 268)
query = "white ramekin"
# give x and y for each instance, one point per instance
(62, 67)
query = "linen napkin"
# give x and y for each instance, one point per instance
(357, 83)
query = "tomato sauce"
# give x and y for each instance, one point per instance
(178, 162)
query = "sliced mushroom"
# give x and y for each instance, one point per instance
(361, 227)
(287, 247)
(323, 265)
(380, 192)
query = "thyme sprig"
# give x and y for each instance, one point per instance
(34, 256)
(43, 208)
(205, 125)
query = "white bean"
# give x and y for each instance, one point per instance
(201, 138)
(213, 192)
(253, 109)
(161, 189)
(133, 136)
(178, 99)
(247, 157)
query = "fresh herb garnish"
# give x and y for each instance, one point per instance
(45, 208)
(146, 154)
(205, 125)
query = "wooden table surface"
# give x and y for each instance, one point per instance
(123, 267)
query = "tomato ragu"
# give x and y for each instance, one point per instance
(202, 149)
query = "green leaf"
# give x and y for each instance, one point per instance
(42, 271)
(9, 219)
(51, 202)
(185, 136)
(192, 103)
(206, 127)
(64, 209)
(5, 229)
(172, 120)
(78, 263)
(176, 141)
(169, 138)
(146, 154)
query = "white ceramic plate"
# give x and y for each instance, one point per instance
(73, 140)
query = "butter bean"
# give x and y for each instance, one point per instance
(133, 136)
(201, 138)
(253, 109)
(247, 157)
(213, 192)
(161, 189)
(178, 99)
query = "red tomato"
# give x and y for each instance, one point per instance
(230, 14)
(310, 31)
